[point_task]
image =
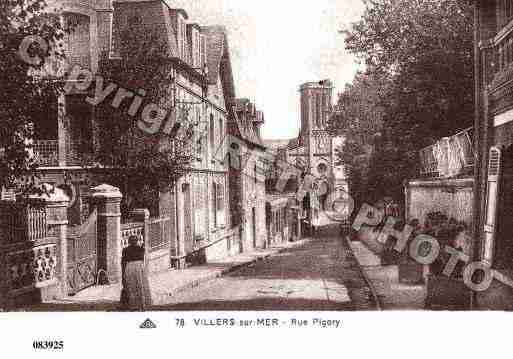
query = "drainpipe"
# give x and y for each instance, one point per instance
(480, 140)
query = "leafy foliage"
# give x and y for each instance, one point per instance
(139, 162)
(417, 87)
(25, 94)
(359, 119)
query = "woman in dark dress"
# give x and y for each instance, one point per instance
(135, 295)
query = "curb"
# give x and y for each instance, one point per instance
(374, 294)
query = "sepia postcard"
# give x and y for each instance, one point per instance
(176, 173)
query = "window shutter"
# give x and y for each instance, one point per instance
(492, 201)
(220, 205)
(212, 138)
(214, 203)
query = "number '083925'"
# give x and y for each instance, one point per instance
(48, 345)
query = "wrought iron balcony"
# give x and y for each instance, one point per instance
(449, 157)
(46, 153)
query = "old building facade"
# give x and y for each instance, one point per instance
(247, 175)
(313, 149)
(493, 203)
(215, 210)
(200, 86)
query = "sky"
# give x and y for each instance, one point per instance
(276, 45)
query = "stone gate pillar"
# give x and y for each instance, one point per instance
(108, 203)
(56, 203)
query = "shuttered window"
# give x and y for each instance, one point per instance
(218, 205)
(214, 204)
(212, 137)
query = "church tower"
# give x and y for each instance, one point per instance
(316, 109)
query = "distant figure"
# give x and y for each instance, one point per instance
(135, 295)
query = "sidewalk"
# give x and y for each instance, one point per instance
(164, 285)
(321, 275)
(385, 280)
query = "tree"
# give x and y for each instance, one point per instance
(142, 163)
(359, 119)
(25, 93)
(422, 53)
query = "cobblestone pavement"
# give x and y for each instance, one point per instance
(321, 274)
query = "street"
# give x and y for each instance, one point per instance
(322, 274)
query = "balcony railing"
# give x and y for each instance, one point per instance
(449, 157)
(22, 222)
(46, 153)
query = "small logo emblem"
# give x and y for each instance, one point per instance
(148, 324)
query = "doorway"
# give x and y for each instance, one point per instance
(187, 219)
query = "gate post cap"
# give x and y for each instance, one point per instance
(140, 214)
(106, 191)
(51, 194)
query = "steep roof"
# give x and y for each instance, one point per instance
(160, 18)
(218, 59)
(153, 14)
(246, 124)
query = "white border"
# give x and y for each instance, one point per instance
(361, 335)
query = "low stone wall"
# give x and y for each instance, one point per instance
(28, 273)
(454, 198)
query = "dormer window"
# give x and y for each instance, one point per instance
(183, 29)
(194, 39)
(181, 34)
